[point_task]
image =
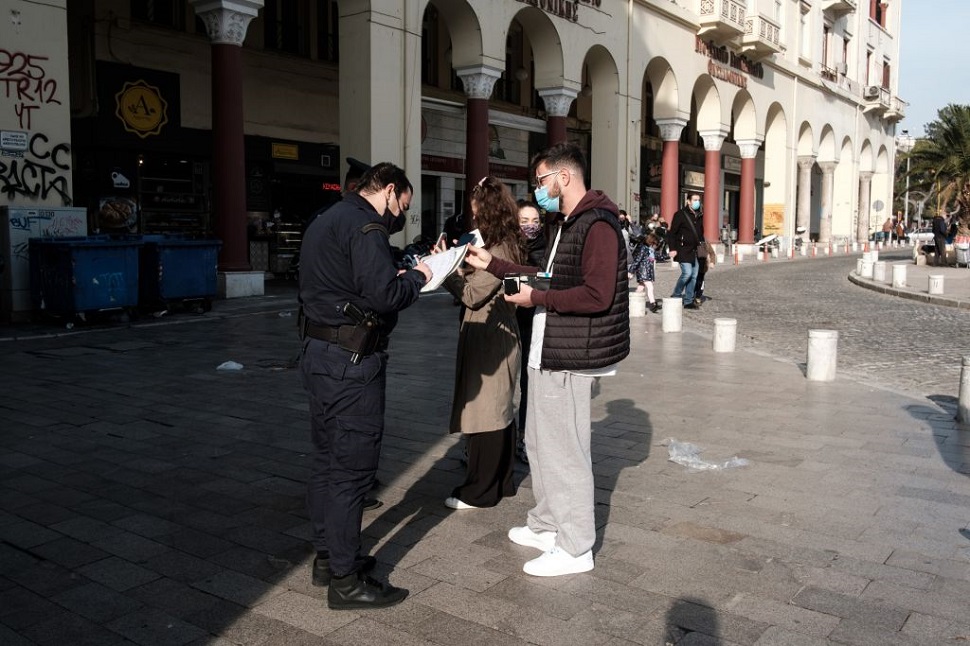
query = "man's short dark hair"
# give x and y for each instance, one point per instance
(380, 175)
(562, 156)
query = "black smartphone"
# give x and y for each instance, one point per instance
(511, 284)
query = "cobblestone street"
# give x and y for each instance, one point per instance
(894, 342)
(147, 498)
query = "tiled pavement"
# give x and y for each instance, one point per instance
(147, 498)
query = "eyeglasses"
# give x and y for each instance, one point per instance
(539, 178)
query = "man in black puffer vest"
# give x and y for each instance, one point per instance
(581, 331)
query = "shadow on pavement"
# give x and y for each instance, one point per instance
(691, 621)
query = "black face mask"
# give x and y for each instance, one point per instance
(394, 224)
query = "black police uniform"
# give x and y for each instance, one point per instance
(346, 259)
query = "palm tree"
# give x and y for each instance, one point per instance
(940, 161)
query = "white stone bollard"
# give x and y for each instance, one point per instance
(867, 255)
(774, 252)
(720, 258)
(740, 256)
(638, 304)
(672, 315)
(963, 408)
(803, 250)
(935, 284)
(725, 335)
(879, 271)
(822, 353)
(855, 247)
(899, 275)
(866, 268)
(858, 266)
(875, 255)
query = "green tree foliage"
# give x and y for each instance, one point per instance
(940, 161)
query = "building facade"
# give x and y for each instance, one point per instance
(781, 112)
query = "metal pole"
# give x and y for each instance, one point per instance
(906, 199)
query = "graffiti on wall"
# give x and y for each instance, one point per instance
(42, 170)
(25, 81)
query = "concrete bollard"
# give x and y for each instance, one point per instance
(740, 256)
(867, 255)
(858, 266)
(935, 284)
(803, 250)
(774, 252)
(638, 304)
(855, 246)
(720, 258)
(963, 408)
(899, 275)
(879, 271)
(822, 353)
(866, 268)
(725, 335)
(672, 315)
(875, 255)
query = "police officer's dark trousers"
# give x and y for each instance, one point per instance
(346, 424)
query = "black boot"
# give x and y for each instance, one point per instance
(322, 573)
(655, 307)
(357, 590)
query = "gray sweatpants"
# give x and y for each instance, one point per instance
(557, 439)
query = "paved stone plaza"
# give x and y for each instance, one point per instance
(147, 498)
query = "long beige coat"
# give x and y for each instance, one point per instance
(487, 365)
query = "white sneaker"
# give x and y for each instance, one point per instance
(557, 562)
(454, 503)
(544, 541)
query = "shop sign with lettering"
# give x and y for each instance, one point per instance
(566, 9)
(727, 65)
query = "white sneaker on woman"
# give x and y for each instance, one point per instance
(557, 562)
(544, 541)
(454, 503)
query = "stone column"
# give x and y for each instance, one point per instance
(478, 82)
(713, 139)
(803, 216)
(226, 22)
(557, 101)
(749, 150)
(670, 130)
(828, 198)
(865, 197)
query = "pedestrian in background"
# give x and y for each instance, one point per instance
(535, 239)
(487, 362)
(643, 267)
(350, 296)
(683, 240)
(939, 238)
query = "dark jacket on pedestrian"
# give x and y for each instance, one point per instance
(343, 259)
(684, 236)
(587, 303)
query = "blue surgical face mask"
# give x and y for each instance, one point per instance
(696, 205)
(549, 204)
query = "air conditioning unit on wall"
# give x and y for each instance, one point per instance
(872, 92)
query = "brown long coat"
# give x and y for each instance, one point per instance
(487, 365)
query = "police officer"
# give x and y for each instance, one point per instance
(351, 293)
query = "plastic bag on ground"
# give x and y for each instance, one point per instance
(689, 455)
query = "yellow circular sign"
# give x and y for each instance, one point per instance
(141, 108)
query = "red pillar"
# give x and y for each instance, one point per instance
(556, 130)
(746, 217)
(669, 180)
(228, 157)
(712, 194)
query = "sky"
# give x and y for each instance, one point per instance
(933, 69)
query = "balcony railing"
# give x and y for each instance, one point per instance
(721, 20)
(761, 37)
(839, 7)
(877, 99)
(829, 74)
(897, 109)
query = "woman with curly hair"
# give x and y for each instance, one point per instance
(488, 355)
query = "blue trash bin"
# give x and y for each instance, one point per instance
(70, 276)
(176, 270)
